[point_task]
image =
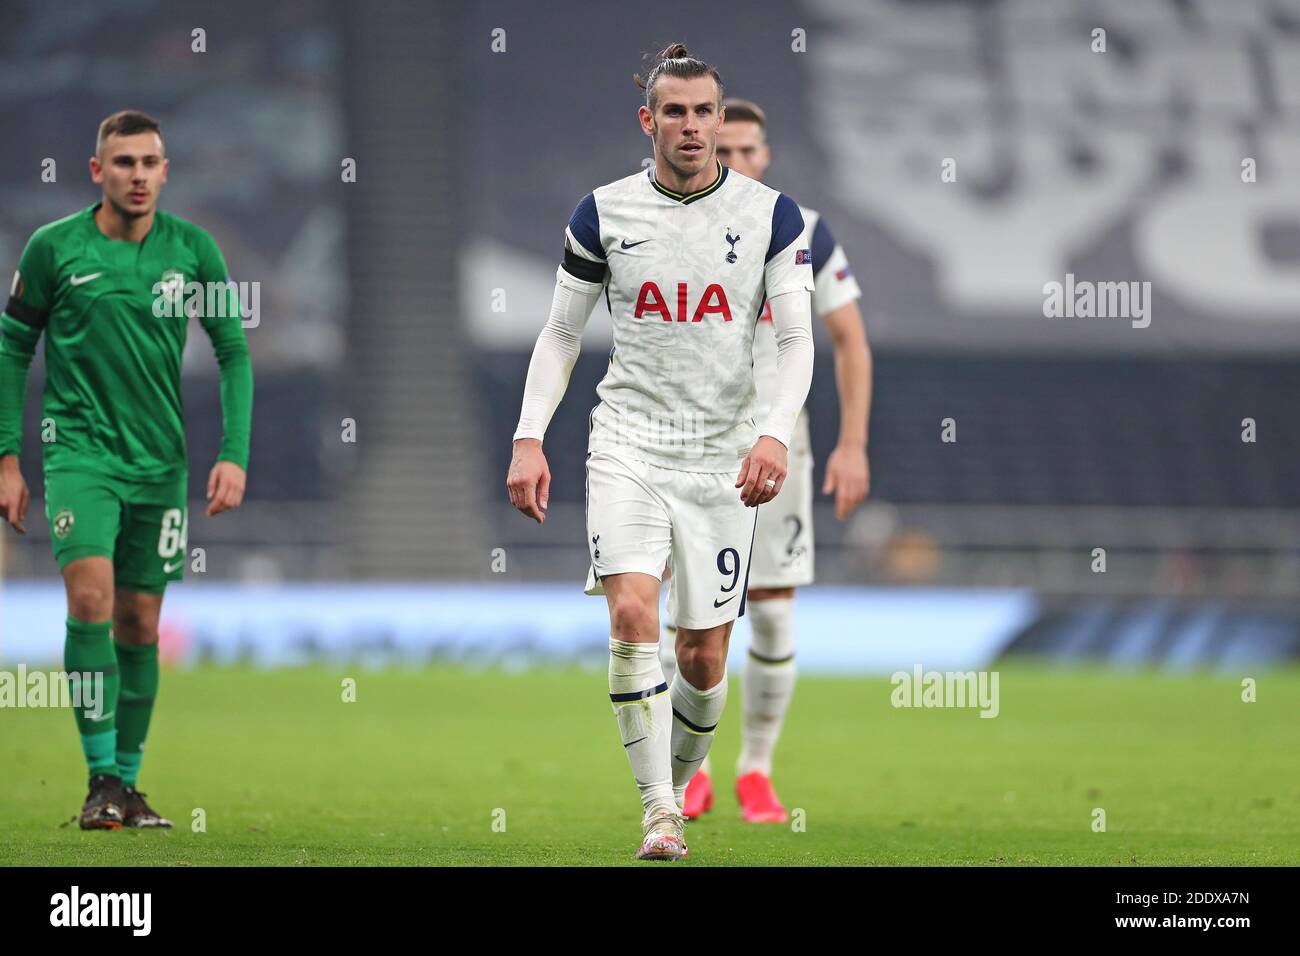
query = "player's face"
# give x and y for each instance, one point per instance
(685, 122)
(741, 146)
(132, 170)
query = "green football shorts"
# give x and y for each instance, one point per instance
(140, 526)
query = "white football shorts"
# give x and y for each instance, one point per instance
(641, 517)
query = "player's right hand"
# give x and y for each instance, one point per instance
(529, 480)
(13, 493)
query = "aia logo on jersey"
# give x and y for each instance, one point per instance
(714, 300)
(732, 240)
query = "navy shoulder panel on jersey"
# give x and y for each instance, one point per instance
(823, 244)
(787, 223)
(585, 225)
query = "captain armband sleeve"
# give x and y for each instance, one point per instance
(31, 294)
(584, 255)
(25, 316)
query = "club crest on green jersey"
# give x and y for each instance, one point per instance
(171, 288)
(63, 522)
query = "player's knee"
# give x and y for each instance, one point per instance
(633, 618)
(700, 657)
(89, 601)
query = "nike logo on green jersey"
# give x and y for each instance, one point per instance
(78, 280)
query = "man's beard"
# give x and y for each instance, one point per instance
(686, 173)
(126, 213)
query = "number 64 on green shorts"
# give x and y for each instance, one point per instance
(140, 526)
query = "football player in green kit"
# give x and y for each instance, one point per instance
(114, 438)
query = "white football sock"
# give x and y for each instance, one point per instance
(668, 661)
(769, 682)
(695, 718)
(639, 695)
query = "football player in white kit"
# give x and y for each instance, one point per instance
(686, 253)
(783, 544)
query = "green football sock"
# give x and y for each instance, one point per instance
(139, 665)
(88, 649)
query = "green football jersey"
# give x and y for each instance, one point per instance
(115, 323)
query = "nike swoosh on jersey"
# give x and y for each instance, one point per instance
(631, 245)
(169, 568)
(80, 280)
(105, 717)
(717, 603)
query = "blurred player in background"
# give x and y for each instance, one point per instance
(687, 253)
(783, 545)
(107, 286)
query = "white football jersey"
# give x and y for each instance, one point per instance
(834, 286)
(686, 277)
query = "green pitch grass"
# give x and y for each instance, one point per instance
(422, 765)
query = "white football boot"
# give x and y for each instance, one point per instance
(665, 837)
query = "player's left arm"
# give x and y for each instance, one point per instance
(228, 478)
(787, 280)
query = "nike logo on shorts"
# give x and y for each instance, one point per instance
(631, 245)
(169, 568)
(717, 603)
(81, 280)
